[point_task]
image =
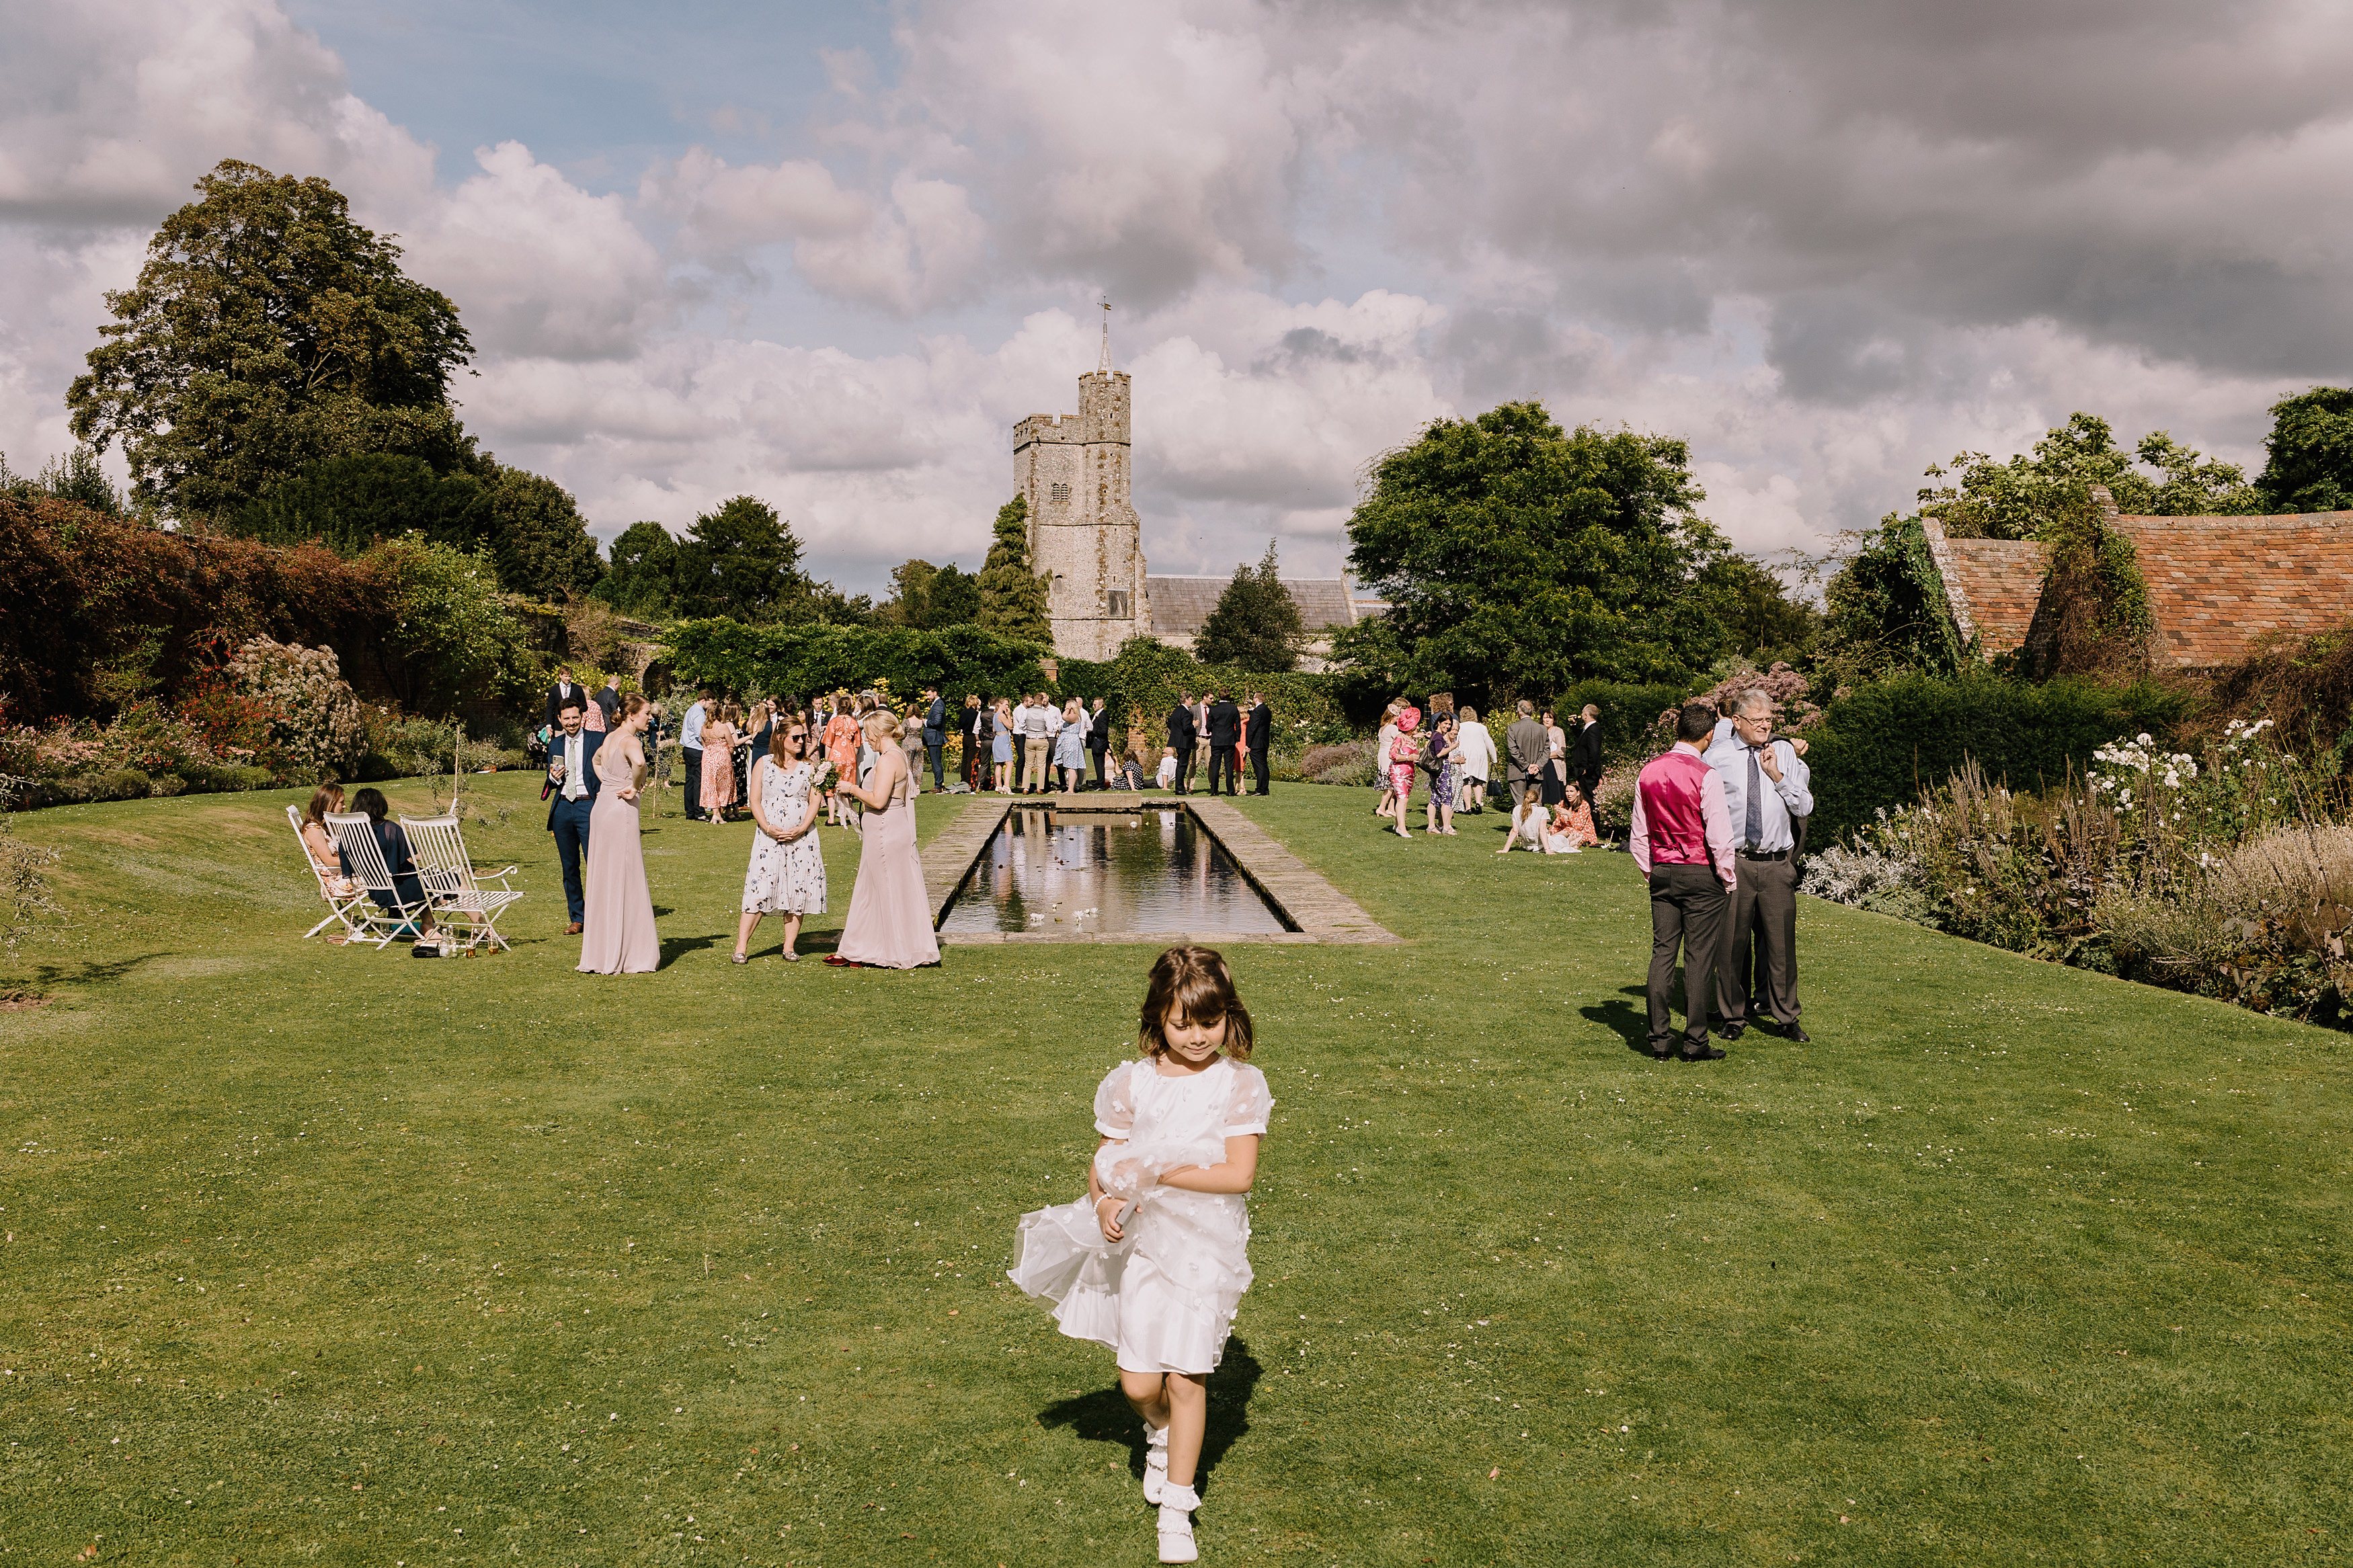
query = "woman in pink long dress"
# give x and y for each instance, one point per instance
(618, 934)
(890, 923)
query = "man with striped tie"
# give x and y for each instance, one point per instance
(1767, 788)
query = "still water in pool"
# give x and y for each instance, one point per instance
(1062, 876)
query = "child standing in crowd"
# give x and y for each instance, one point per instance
(1153, 1260)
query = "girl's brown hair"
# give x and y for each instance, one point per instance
(1193, 984)
(327, 797)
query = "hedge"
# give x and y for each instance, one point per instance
(1879, 746)
(804, 662)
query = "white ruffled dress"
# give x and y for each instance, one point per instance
(1165, 1297)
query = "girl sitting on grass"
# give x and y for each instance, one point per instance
(1153, 1260)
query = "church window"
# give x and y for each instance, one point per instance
(1118, 605)
(1061, 493)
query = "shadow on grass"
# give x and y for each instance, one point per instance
(90, 973)
(1630, 1023)
(1105, 1415)
(674, 948)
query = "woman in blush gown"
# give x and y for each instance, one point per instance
(890, 923)
(618, 934)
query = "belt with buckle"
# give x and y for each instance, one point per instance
(1762, 854)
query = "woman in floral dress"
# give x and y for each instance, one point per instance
(788, 872)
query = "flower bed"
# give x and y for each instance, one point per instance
(2227, 872)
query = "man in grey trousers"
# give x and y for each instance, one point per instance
(1767, 786)
(1526, 749)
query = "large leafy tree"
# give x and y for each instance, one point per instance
(741, 560)
(266, 330)
(1761, 619)
(2031, 493)
(539, 542)
(931, 598)
(1012, 596)
(643, 580)
(2311, 452)
(1517, 558)
(1255, 623)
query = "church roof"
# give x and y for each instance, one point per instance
(2217, 585)
(1179, 605)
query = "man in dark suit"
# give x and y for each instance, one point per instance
(572, 780)
(936, 734)
(567, 690)
(1225, 734)
(1258, 733)
(1584, 752)
(1181, 733)
(1099, 740)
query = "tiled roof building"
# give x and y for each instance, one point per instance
(1179, 605)
(2217, 585)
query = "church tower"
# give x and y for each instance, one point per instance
(1083, 530)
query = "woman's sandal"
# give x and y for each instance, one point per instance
(739, 958)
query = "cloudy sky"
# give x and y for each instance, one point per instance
(828, 254)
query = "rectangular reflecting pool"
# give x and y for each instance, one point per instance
(1075, 874)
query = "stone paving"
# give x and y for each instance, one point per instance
(1304, 896)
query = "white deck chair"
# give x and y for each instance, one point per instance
(363, 862)
(467, 910)
(339, 905)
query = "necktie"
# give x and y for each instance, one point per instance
(1755, 826)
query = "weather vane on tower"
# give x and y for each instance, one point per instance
(1104, 368)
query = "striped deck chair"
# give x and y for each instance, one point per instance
(339, 905)
(381, 919)
(467, 911)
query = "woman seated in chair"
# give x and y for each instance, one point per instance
(321, 843)
(408, 887)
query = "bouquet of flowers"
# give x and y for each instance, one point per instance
(824, 775)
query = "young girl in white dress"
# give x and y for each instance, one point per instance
(1153, 1260)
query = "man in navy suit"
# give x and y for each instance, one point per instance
(572, 780)
(936, 733)
(1225, 727)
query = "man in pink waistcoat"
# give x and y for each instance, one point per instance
(1681, 839)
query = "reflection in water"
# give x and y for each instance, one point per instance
(1062, 876)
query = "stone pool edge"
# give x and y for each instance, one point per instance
(1303, 895)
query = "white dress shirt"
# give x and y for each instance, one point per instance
(576, 753)
(689, 730)
(1778, 802)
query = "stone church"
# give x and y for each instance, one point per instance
(1073, 471)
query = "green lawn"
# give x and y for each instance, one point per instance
(325, 1255)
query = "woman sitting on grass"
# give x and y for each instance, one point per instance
(1569, 830)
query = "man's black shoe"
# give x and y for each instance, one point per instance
(1732, 1031)
(1794, 1033)
(1705, 1054)
(1660, 1051)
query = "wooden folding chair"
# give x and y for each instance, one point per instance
(467, 910)
(339, 904)
(381, 919)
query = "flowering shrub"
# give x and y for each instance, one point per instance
(1345, 762)
(308, 712)
(2221, 872)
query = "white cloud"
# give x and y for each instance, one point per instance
(1825, 250)
(537, 265)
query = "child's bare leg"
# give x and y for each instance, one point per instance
(1149, 1392)
(1188, 1401)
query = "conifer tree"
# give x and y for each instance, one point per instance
(1013, 598)
(1256, 622)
